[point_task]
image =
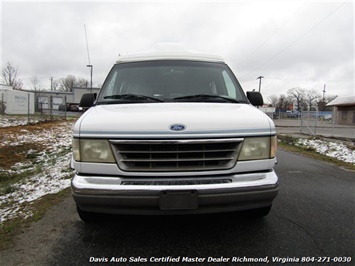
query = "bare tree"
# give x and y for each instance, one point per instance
(312, 96)
(9, 77)
(67, 83)
(298, 94)
(273, 99)
(70, 81)
(82, 83)
(36, 84)
(284, 102)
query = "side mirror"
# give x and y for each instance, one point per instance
(87, 100)
(255, 98)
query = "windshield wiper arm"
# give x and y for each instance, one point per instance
(205, 97)
(131, 96)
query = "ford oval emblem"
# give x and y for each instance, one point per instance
(177, 127)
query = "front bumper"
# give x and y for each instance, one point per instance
(166, 195)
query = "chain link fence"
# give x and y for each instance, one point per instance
(309, 123)
(28, 109)
(314, 123)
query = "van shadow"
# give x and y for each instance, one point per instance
(187, 235)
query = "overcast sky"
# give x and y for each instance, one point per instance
(291, 43)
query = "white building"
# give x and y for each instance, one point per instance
(15, 101)
(344, 110)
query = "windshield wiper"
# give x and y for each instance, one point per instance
(206, 98)
(132, 97)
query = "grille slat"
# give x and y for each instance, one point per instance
(180, 152)
(176, 160)
(177, 155)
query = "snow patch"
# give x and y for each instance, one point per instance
(337, 150)
(53, 175)
(9, 121)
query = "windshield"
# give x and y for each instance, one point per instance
(171, 81)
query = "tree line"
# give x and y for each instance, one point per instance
(9, 76)
(301, 99)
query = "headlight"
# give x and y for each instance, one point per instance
(258, 148)
(92, 150)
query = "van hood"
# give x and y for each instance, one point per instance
(173, 120)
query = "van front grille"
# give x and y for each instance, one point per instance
(176, 155)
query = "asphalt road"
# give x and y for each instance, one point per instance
(312, 218)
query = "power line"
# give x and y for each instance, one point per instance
(297, 39)
(271, 35)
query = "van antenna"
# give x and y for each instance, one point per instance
(89, 65)
(87, 46)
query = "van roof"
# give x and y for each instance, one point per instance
(169, 56)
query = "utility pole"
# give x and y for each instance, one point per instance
(91, 67)
(259, 78)
(324, 93)
(51, 83)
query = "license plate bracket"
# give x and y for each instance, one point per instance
(178, 200)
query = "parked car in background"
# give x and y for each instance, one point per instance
(72, 107)
(63, 107)
(293, 114)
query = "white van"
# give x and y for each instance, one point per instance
(173, 134)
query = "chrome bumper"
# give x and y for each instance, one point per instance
(166, 195)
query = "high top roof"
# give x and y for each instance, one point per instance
(169, 56)
(167, 51)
